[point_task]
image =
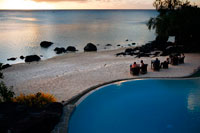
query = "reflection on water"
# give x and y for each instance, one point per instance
(194, 101)
(22, 31)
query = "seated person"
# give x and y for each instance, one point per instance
(134, 69)
(181, 58)
(165, 64)
(156, 65)
(143, 67)
(174, 60)
(134, 65)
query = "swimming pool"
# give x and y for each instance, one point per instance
(140, 106)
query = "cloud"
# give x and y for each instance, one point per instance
(59, 0)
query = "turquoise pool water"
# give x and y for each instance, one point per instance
(140, 106)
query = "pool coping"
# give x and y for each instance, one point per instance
(70, 105)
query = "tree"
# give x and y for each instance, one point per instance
(177, 18)
(6, 94)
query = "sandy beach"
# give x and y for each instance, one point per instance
(67, 75)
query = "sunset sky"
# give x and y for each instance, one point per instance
(79, 4)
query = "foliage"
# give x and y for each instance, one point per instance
(177, 18)
(168, 4)
(6, 94)
(35, 100)
(1, 74)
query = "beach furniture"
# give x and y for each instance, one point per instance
(155, 65)
(143, 69)
(174, 60)
(135, 70)
(165, 65)
(181, 60)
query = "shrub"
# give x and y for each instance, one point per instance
(6, 94)
(35, 100)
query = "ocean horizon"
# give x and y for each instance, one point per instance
(23, 30)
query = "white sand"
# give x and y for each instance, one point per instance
(67, 75)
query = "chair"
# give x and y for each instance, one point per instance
(181, 60)
(174, 60)
(165, 65)
(156, 66)
(134, 71)
(143, 69)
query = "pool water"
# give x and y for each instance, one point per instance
(140, 106)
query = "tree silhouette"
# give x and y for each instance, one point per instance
(177, 18)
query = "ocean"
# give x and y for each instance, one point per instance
(22, 31)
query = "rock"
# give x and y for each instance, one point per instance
(22, 57)
(128, 50)
(169, 50)
(59, 50)
(45, 44)
(5, 66)
(108, 44)
(32, 58)
(155, 53)
(133, 43)
(90, 47)
(122, 53)
(71, 48)
(12, 59)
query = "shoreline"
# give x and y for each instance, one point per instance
(65, 76)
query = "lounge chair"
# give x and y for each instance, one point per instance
(156, 66)
(174, 60)
(134, 71)
(165, 65)
(143, 69)
(181, 60)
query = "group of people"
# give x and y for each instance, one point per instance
(136, 68)
(156, 65)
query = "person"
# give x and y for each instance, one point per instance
(143, 67)
(165, 64)
(142, 64)
(156, 64)
(134, 69)
(181, 58)
(134, 65)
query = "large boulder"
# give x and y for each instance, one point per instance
(71, 49)
(12, 59)
(21, 57)
(90, 47)
(59, 50)
(32, 58)
(45, 44)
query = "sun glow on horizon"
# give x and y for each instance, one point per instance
(79, 4)
(24, 4)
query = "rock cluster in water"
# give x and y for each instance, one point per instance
(32, 58)
(90, 47)
(60, 50)
(45, 44)
(152, 49)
